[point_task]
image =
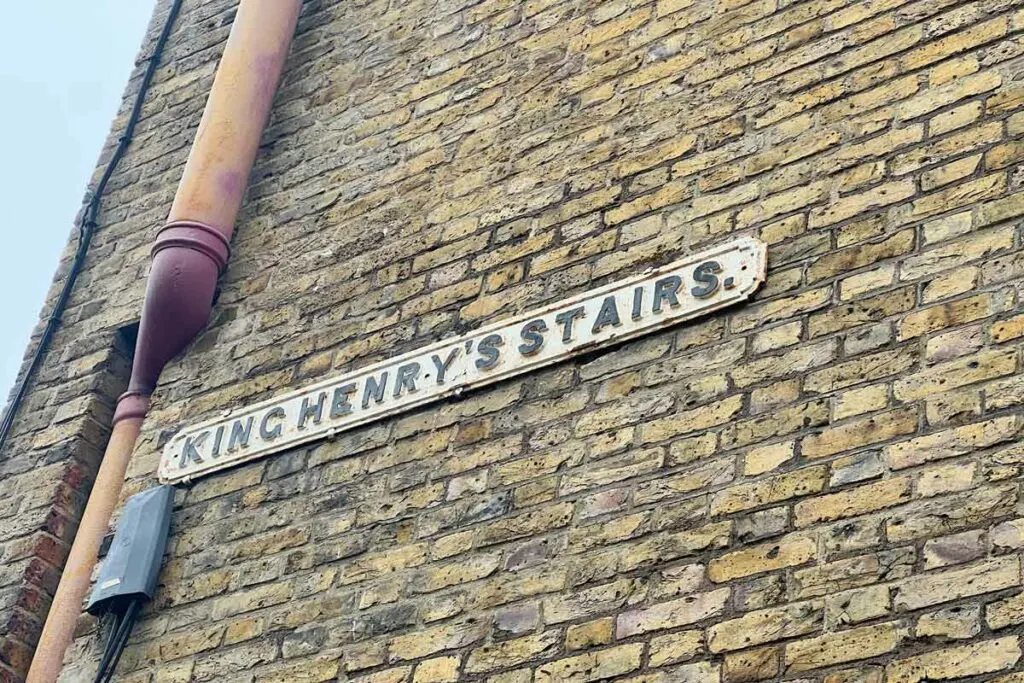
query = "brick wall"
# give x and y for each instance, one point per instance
(821, 485)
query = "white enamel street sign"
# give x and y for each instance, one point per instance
(692, 287)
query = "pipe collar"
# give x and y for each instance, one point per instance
(131, 404)
(196, 236)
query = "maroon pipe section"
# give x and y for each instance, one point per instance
(187, 259)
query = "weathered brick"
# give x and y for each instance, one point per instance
(867, 310)
(751, 665)
(589, 634)
(511, 653)
(864, 369)
(932, 589)
(853, 502)
(765, 626)
(949, 443)
(1003, 613)
(593, 666)
(856, 606)
(843, 646)
(958, 662)
(687, 610)
(775, 489)
(954, 374)
(676, 647)
(788, 551)
(950, 314)
(954, 549)
(954, 622)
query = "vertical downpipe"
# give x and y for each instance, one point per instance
(190, 252)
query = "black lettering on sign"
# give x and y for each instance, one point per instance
(240, 435)
(442, 367)
(340, 406)
(275, 413)
(406, 378)
(706, 275)
(374, 389)
(566, 319)
(217, 439)
(665, 291)
(191, 449)
(315, 411)
(488, 349)
(533, 334)
(608, 315)
(638, 302)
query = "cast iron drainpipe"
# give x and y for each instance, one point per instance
(190, 252)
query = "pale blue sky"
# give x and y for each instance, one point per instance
(63, 67)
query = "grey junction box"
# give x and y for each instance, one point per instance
(132, 567)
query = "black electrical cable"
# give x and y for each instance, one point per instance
(87, 227)
(116, 643)
(129, 623)
(108, 650)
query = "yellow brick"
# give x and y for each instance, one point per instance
(751, 665)
(314, 671)
(954, 374)
(858, 433)
(946, 479)
(955, 43)
(789, 551)
(777, 337)
(935, 98)
(957, 117)
(766, 458)
(1002, 209)
(853, 502)
(592, 666)
(773, 489)
(764, 626)
(781, 309)
(783, 202)
(1005, 155)
(950, 284)
(676, 647)
(950, 443)
(862, 283)
(938, 587)
(439, 670)
(691, 420)
(857, 401)
(1003, 613)
(952, 69)
(958, 662)
(953, 313)
(850, 206)
(844, 646)
(954, 197)
(949, 173)
(583, 636)
(1006, 330)
(510, 653)
(842, 261)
